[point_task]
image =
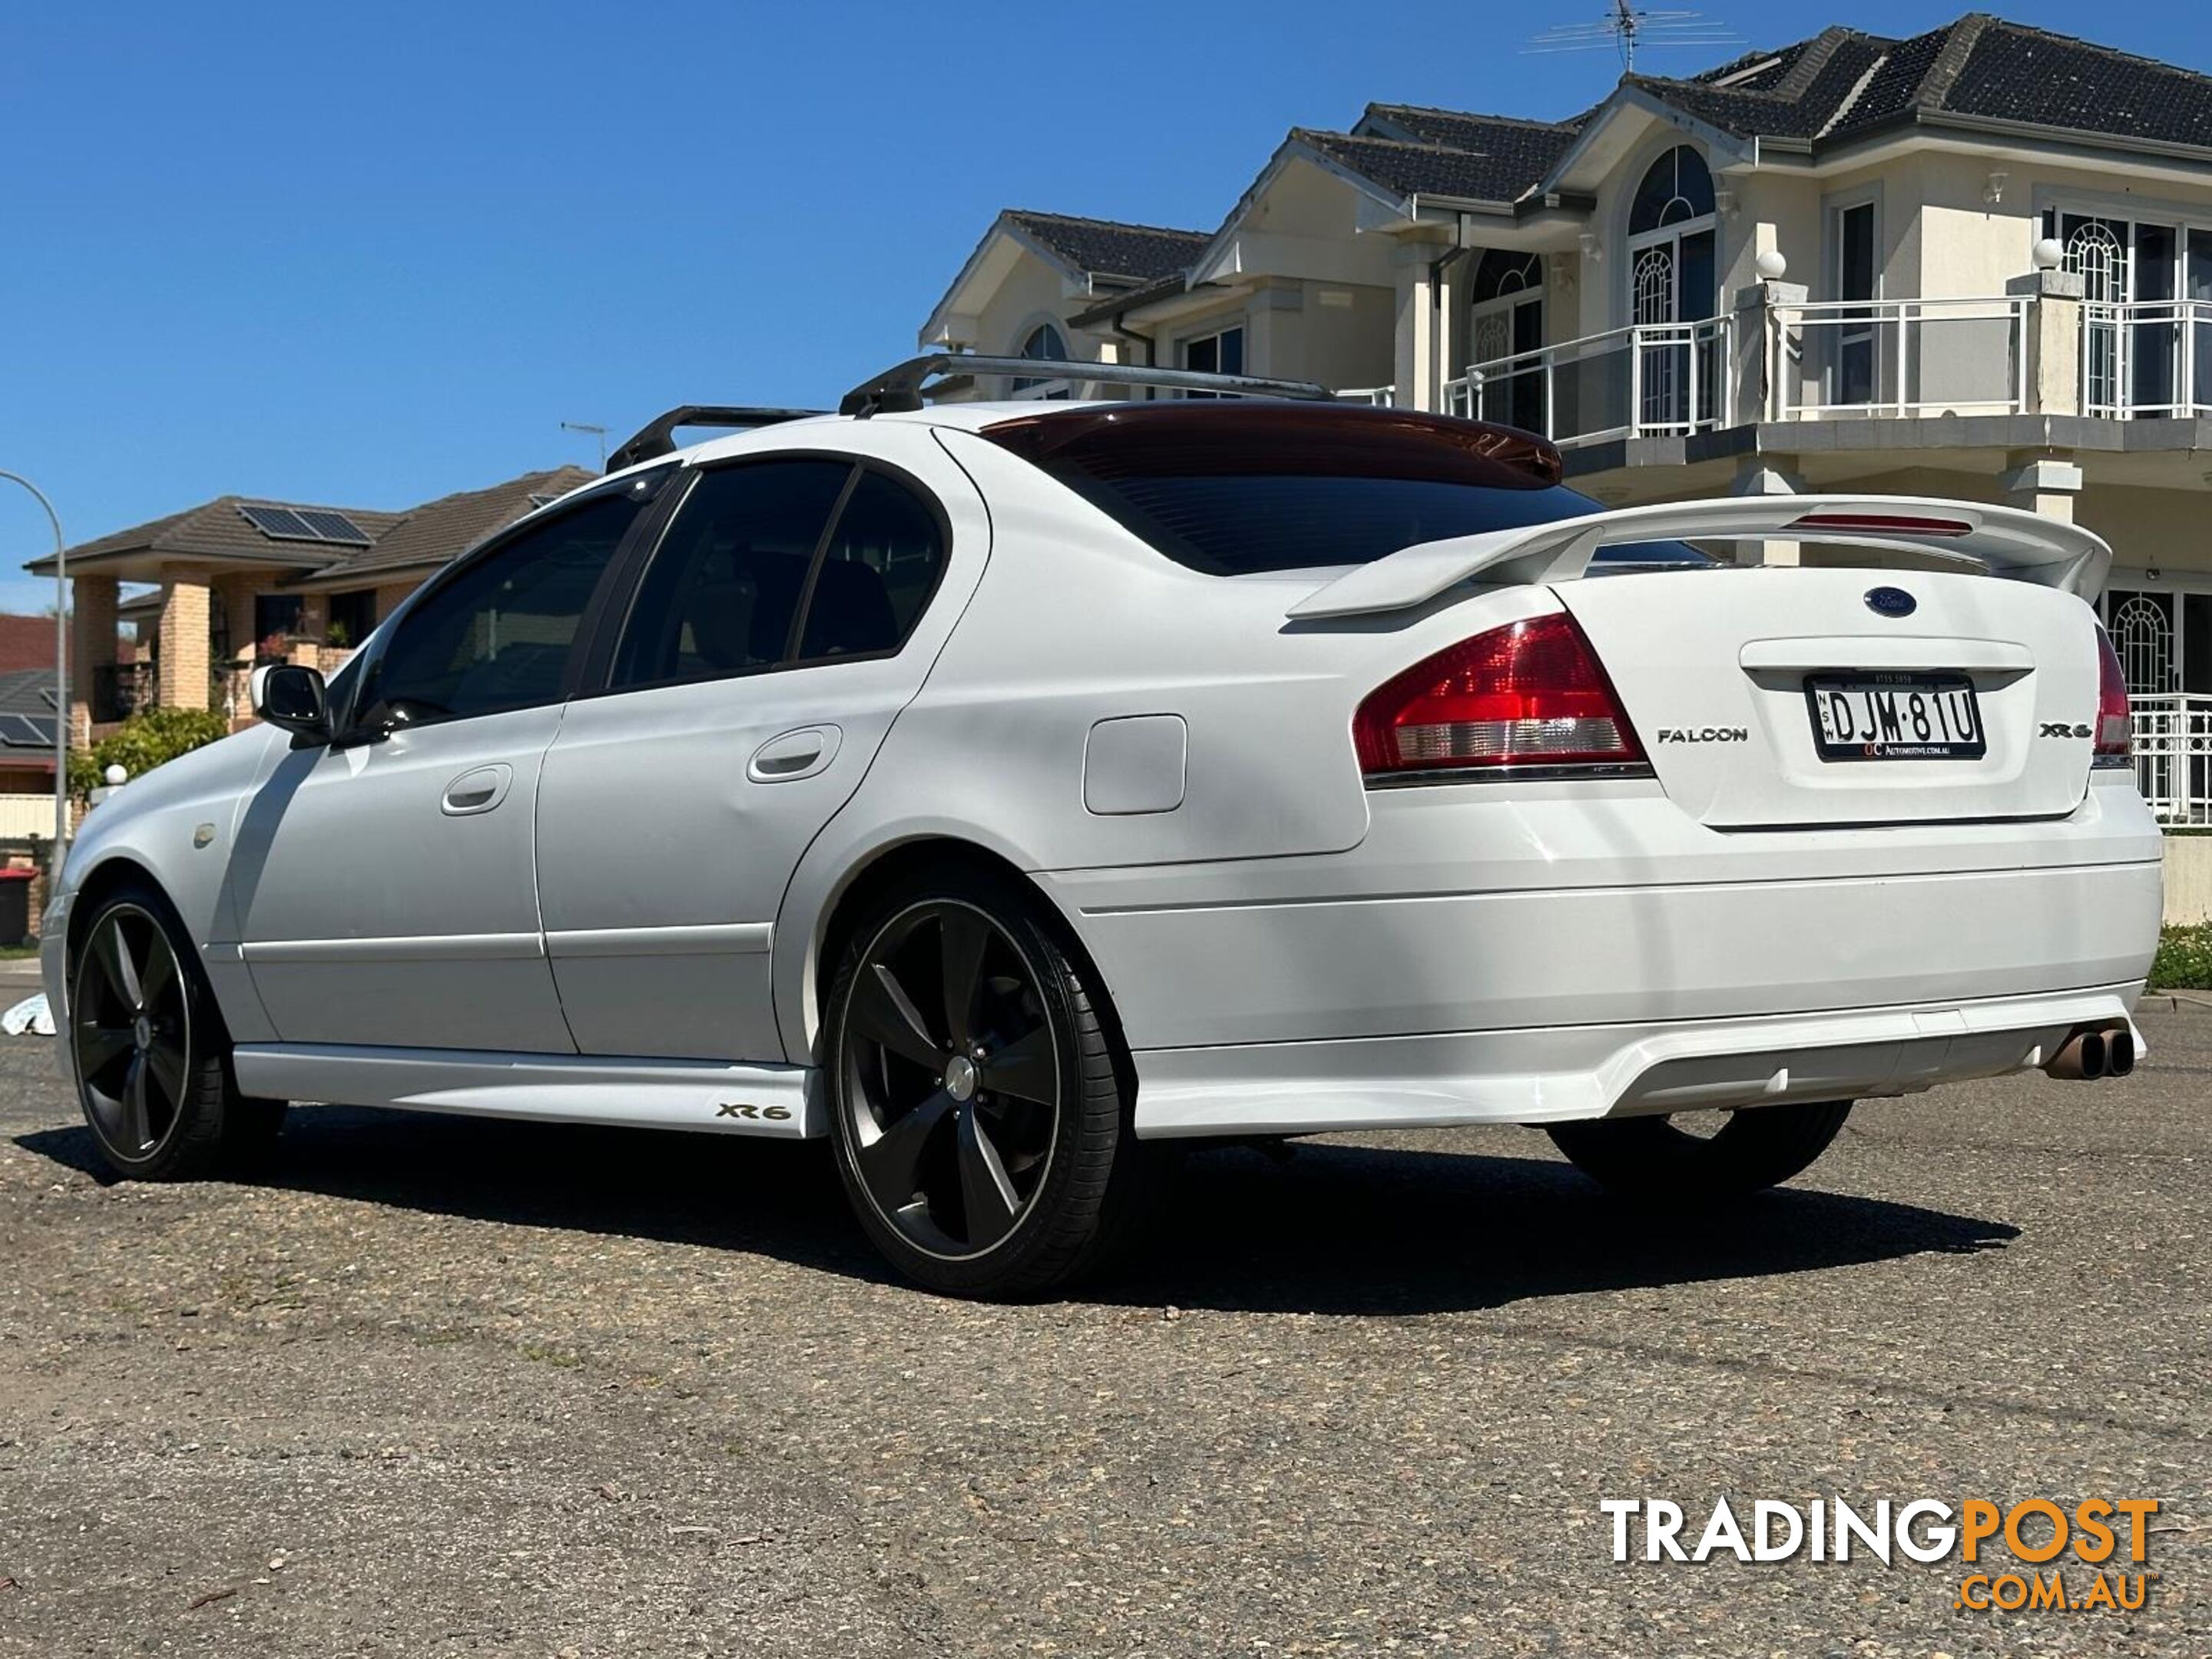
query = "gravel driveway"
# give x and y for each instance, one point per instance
(434, 1386)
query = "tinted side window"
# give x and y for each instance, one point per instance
(724, 588)
(497, 636)
(879, 569)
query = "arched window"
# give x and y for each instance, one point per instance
(1673, 274)
(1678, 188)
(1047, 344)
(1505, 325)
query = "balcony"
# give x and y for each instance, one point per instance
(1654, 380)
(2147, 359)
(2173, 755)
(1899, 358)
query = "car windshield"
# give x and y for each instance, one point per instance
(1236, 491)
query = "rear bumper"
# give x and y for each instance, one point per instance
(1604, 1071)
(1479, 958)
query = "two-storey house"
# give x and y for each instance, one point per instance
(1975, 263)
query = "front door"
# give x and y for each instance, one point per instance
(387, 888)
(791, 611)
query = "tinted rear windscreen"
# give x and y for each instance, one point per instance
(1292, 488)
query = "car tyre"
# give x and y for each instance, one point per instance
(981, 1101)
(153, 1058)
(1652, 1158)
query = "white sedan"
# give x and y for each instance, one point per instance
(1010, 792)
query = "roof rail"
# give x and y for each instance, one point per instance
(898, 391)
(657, 437)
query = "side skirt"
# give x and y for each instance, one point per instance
(716, 1096)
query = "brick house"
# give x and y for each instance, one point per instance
(240, 580)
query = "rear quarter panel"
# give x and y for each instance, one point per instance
(1076, 622)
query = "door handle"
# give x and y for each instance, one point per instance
(800, 754)
(478, 790)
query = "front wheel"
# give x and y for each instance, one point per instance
(1653, 1158)
(152, 1058)
(981, 1119)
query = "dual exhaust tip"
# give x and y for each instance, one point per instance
(2094, 1051)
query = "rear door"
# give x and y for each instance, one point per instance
(1781, 695)
(791, 609)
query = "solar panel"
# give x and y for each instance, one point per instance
(281, 522)
(304, 524)
(332, 526)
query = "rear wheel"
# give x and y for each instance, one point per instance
(982, 1120)
(153, 1060)
(1655, 1158)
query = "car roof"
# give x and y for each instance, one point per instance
(1526, 448)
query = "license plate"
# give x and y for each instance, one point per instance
(1895, 717)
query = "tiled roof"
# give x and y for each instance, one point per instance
(1519, 153)
(218, 530)
(430, 534)
(30, 693)
(1107, 248)
(2026, 75)
(1412, 166)
(26, 642)
(1842, 83)
(439, 529)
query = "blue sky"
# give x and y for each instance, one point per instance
(366, 255)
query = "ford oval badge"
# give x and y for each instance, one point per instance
(1891, 602)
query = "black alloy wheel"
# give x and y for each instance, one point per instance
(151, 1053)
(130, 1024)
(951, 1078)
(981, 1105)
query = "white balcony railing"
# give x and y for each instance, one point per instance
(2173, 755)
(1382, 397)
(2146, 358)
(1651, 381)
(1899, 358)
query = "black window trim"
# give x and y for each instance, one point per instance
(646, 524)
(636, 559)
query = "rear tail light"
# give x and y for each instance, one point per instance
(2115, 726)
(1530, 693)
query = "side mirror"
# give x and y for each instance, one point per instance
(293, 699)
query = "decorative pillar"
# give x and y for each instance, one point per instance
(2052, 375)
(1455, 322)
(92, 646)
(314, 622)
(1414, 366)
(1765, 313)
(1767, 475)
(2042, 481)
(181, 676)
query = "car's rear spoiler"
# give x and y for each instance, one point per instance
(2005, 541)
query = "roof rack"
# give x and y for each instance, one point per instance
(657, 437)
(898, 391)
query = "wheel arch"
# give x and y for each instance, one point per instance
(117, 870)
(847, 901)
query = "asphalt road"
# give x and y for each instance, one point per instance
(434, 1386)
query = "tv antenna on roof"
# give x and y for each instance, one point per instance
(1627, 27)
